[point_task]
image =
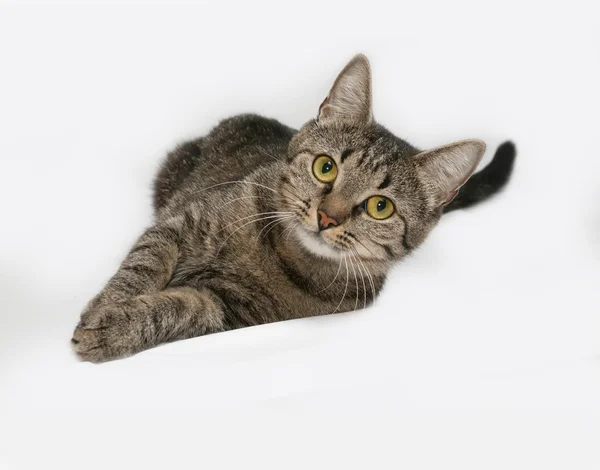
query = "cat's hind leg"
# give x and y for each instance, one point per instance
(174, 170)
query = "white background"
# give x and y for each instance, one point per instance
(484, 349)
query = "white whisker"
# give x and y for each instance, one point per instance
(244, 182)
(346, 288)
(273, 224)
(364, 246)
(290, 227)
(239, 228)
(272, 157)
(336, 275)
(359, 263)
(253, 215)
(287, 238)
(239, 199)
(355, 282)
(369, 275)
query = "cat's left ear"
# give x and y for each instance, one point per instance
(349, 99)
(445, 169)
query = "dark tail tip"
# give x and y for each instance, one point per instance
(488, 181)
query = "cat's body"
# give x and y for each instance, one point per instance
(244, 233)
(263, 272)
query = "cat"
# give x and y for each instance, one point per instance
(257, 222)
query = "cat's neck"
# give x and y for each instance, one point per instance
(316, 272)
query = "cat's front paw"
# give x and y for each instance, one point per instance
(106, 332)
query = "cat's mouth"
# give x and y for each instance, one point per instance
(318, 245)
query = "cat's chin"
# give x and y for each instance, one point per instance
(316, 245)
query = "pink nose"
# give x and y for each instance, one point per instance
(325, 221)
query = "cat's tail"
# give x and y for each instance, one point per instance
(488, 181)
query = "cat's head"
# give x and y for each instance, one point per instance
(354, 186)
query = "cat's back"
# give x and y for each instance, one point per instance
(235, 148)
(235, 135)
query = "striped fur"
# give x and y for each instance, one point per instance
(236, 241)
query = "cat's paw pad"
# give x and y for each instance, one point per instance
(104, 333)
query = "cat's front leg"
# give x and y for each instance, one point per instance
(120, 329)
(147, 268)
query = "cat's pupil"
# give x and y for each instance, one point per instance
(381, 205)
(326, 168)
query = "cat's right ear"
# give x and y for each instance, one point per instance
(349, 99)
(447, 168)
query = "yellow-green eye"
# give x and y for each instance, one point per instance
(325, 169)
(379, 207)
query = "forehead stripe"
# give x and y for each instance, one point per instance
(346, 153)
(405, 244)
(385, 183)
(361, 158)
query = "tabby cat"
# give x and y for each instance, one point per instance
(257, 222)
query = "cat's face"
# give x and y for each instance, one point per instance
(357, 189)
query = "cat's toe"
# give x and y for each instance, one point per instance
(90, 345)
(102, 335)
